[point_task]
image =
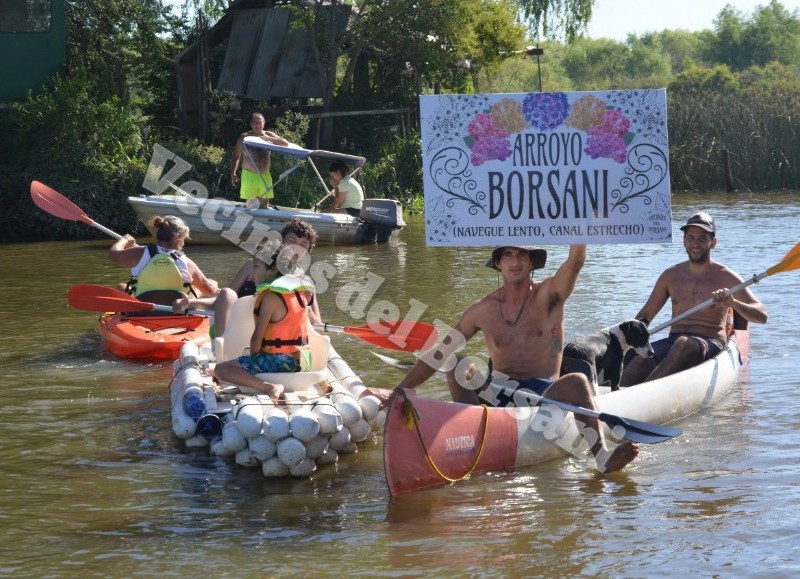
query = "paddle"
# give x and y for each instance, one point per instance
(98, 298)
(790, 262)
(633, 430)
(54, 203)
(418, 336)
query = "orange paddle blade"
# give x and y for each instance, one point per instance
(98, 298)
(790, 262)
(49, 200)
(403, 336)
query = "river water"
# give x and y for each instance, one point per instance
(94, 485)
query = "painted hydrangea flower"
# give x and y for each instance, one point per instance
(483, 126)
(490, 148)
(587, 112)
(545, 111)
(507, 116)
(616, 123)
(601, 143)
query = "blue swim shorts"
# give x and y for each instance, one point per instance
(505, 398)
(710, 346)
(262, 363)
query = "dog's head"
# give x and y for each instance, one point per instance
(635, 335)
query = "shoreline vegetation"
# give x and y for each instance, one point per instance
(732, 97)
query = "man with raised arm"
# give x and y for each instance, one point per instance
(523, 325)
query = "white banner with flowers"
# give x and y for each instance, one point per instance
(546, 168)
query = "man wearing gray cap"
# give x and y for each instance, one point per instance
(702, 335)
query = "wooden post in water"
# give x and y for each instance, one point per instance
(726, 167)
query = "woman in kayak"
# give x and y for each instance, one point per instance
(161, 271)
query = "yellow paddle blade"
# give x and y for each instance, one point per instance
(790, 262)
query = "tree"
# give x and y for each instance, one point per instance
(680, 46)
(557, 18)
(121, 48)
(772, 34)
(606, 64)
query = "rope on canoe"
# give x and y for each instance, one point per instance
(411, 418)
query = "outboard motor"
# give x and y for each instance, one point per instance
(384, 217)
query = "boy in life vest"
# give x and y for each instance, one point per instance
(282, 317)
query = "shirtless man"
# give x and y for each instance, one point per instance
(256, 179)
(702, 335)
(523, 325)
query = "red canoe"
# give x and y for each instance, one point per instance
(151, 337)
(432, 442)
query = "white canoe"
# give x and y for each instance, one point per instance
(431, 442)
(323, 416)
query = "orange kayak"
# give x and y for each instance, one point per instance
(151, 337)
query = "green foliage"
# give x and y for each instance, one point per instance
(70, 140)
(772, 34)
(397, 174)
(606, 64)
(565, 19)
(704, 81)
(750, 115)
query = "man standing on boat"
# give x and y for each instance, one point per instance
(256, 180)
(523, 325)
(702, 335)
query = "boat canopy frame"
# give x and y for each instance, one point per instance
(301, 155)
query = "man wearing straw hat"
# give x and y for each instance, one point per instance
(523, 324)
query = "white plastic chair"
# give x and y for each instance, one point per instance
(235, 342)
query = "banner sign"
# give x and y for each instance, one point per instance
(546, 168)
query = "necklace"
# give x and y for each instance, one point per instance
(521, 308)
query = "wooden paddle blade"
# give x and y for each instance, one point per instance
(790, 262)
(98, 298)
(51, 201)
(401, 336)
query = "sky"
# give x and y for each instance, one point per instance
(615, 19)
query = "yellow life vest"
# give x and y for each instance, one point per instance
(161, 273)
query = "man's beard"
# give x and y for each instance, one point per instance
(704, 257)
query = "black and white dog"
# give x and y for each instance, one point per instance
(605, 350)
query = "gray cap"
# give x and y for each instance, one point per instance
(701, 220)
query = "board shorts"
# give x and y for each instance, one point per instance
(710, 346)
(504, 398)
(262, 363)
(254, 185)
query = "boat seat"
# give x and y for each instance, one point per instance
(235, 342)
(236, 338)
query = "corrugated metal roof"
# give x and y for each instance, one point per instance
(300, 73)
(266, 58)
(240, 53)
(269, 55)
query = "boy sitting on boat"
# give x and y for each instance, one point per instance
(282, 316)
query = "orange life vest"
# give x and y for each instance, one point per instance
(286, 335)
